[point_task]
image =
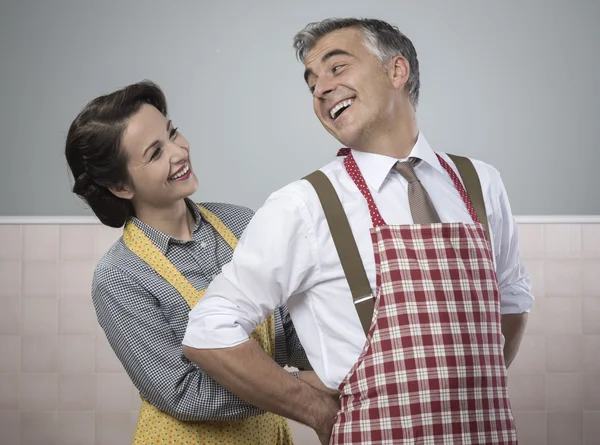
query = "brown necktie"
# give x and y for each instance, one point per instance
(421, 207)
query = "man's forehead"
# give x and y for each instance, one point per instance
(343, 39)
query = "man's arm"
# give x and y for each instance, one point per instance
(513, 281)
(247, 371)
(513, 328)
(275, 259)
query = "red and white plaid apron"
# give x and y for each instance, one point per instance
(432, 369)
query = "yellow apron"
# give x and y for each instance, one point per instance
(157, 427)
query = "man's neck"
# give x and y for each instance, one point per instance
(397, 141)
(175, 220)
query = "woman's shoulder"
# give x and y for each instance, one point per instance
(235, 217)
(116, 264)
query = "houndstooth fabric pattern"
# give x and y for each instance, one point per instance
(421, 207)
(432, 370)
(145, 318)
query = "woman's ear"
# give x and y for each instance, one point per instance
(122, 191)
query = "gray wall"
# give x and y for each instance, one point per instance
(514, 83)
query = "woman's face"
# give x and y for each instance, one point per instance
(158, 160)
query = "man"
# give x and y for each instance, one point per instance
(403, 300)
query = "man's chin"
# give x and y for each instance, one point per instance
(343, 136)
(348, 142)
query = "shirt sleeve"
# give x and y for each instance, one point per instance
(152, 356)
(513, 281)
(275, 258)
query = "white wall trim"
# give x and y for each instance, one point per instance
(558, 219)
(66, 220)
(52, 220)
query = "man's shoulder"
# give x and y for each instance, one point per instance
(487, 173)
(301, 191)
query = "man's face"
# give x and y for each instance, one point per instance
(353, 94)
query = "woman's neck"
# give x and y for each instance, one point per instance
(175, 220)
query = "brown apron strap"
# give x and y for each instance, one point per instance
(467, 172)
(346, 247)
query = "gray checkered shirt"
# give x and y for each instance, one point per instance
(145, 318)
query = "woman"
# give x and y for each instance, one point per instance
(133, 168)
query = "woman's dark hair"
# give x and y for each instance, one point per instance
(94, 148)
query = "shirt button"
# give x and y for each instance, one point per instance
(203, 244)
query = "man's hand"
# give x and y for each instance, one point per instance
(329, 410)
(328, 418)
(248, 372)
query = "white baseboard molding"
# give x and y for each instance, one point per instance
(48, 220)
(74, 220)
(559, 219)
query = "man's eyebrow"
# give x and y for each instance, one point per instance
(326, 56)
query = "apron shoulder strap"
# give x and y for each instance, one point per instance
(470, 178)
(346, 247)
(219, 226)
(137, 241)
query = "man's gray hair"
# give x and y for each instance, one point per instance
(385, 41)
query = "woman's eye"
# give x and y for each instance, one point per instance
(156, 153)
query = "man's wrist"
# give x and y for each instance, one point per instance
(324, 412)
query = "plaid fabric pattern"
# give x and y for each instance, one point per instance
(432, 370)
(145, 318)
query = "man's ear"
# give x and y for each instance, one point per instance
(122, 191)
(399, 71)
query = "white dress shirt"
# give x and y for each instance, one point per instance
(287, 255)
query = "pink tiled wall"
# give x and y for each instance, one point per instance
(60, 383)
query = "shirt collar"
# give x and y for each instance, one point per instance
(162, 240)
(376, 167)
